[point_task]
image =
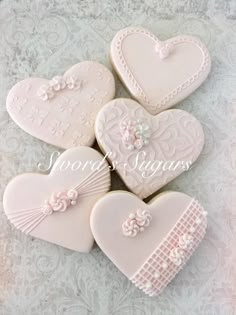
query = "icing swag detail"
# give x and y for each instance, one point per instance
(58, 83)
(59, 202)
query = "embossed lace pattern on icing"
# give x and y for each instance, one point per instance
(163, 144)
(58, 83)
(168, 258)
(171, 95)
(136, 222)
(61, 124)
(95, 183)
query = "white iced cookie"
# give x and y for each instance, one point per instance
(159, 73)
(56, 207)
(147, 151)
(62, 111)
(149, 243)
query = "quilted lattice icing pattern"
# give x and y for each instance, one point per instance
(160, 268)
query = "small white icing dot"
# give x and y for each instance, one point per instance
(148, 285)
(132, 216)
(164, 265)
(73, 202)
(198, 221)
(205, 213)
(156, 274)
(192, 229)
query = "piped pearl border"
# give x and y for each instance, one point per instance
(205, 65)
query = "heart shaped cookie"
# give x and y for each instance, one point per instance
(56, 207)
(147, 151)
(149, 243)
(62, 111)
(159, 74)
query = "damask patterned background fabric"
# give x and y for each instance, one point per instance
(44, 38)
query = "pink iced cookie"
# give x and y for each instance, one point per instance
(56, 208)
(159, 74)
(149, 243)
(148, 151)
(62, 111)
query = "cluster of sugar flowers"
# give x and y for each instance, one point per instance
(58, 83)
(60, 201)
(136, 222)
(135, 133)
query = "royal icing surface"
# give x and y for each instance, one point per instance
(56, 207)
(150, 259)
(62, 111)
(148, 151)
(159, 74)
